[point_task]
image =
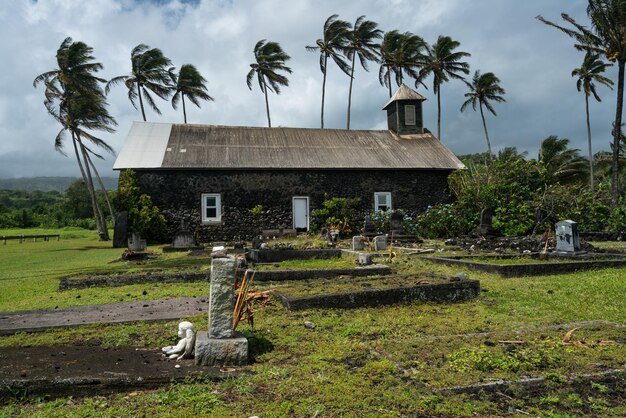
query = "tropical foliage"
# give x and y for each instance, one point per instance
(143, 216)
(331, 45)
(190, 84)
(51, 209)
(527, 196)
(589, 73)
(151, 71)
(400, 53)
(339, 213)
(443, 62)
(606, 37)
(362, 44)
(484, 89)
(269, 62)
(74, 98)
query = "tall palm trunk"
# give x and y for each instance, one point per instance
(86, 173)
(389, 79)
(591, 182)
(104, 190)
(182, 96)
(103, 231)
(617, 134)
(439, 112)
(324, 87)
(482, 115)
(143, 113)
(350, 90)
(267, 105)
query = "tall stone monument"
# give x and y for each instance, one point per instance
(220, 345)
(486, 229)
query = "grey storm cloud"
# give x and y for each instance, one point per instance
(533, 61)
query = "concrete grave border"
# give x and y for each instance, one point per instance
(531, 269)
(453, 291)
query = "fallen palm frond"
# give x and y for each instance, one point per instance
(567, 340)
(246, 299)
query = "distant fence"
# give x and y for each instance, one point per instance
(23, 238)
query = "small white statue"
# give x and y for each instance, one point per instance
(184, 348)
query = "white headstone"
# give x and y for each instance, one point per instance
(567, 238)
(358, 243)
(380, 243)
(365, 259)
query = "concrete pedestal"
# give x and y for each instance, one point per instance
(221, 351)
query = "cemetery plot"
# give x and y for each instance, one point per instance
(271, 255)
(532, 264)
(465, 360)
(374, 291)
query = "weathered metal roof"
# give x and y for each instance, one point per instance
(235, 147)
(404, 93)
(145, 146)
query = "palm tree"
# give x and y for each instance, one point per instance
(589, 72)
(331, 45)
(400, 53)
(269, 60)
(558, 163)
(151, 72)
(361, 43)
(444, 63)
(74, 98)
(484, 89)
(608, 26)
(190, 84)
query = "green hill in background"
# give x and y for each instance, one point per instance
(46, 184)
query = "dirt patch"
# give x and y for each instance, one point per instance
(54, 371)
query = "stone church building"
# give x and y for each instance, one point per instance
(211, 176)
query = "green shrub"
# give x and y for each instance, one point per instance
(338, 213)
(446, 220)
(143, 216)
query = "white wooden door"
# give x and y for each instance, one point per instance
(301, 213)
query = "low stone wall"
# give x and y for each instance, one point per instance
(441, 292)
(530, 269)
(281, 275)
(603, 236)
(67, 283)
(282, 254)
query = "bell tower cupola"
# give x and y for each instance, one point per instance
(404, 111)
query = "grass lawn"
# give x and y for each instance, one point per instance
(384, 361)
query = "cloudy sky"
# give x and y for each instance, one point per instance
(533, 61)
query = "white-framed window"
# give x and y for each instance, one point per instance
(211, 208)
(382, 201)
(409, 115)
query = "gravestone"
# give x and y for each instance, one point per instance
(120, 232)
(567, 238)
(136, 244)
(358, 243)
(364, 259)
(220, 345)
(184, 240)
(369, 230)
(486, 229)
(380, 243)
(397, 229)
(256, 242)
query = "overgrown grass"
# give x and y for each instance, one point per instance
(30, 271)
(374, 362)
